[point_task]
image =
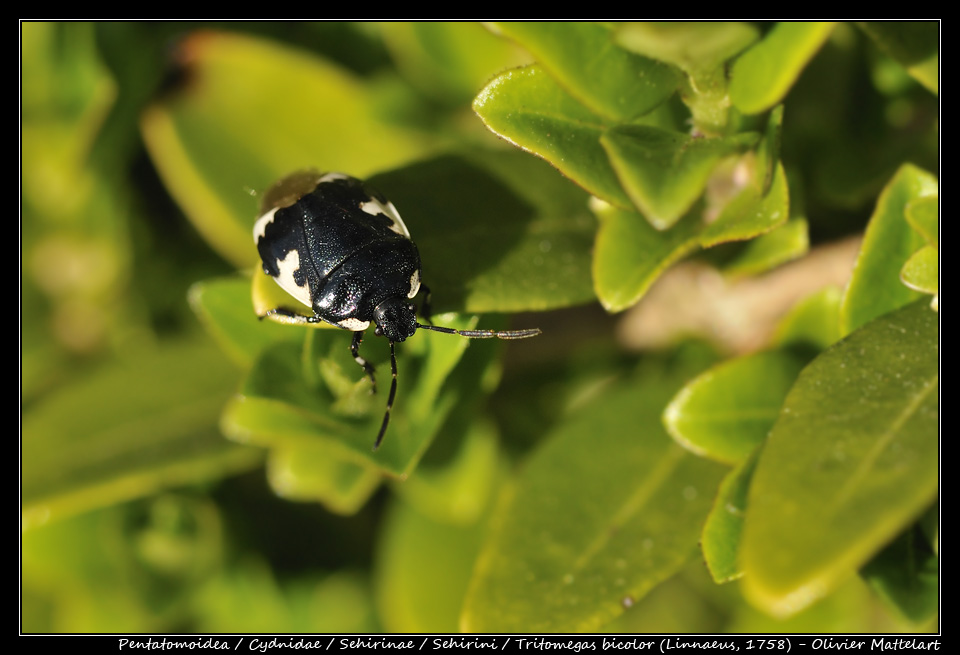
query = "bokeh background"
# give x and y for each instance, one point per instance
(185, 467)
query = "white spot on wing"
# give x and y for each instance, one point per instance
(354, 325)
(260, 227)
(414, 284)
(374, 207)
(330, 177)
(288, 266)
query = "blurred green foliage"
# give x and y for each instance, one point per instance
(186, 467)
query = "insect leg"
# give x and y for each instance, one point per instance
(393, 393)
(367, 366)
(290, 317)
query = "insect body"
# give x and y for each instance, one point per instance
(341, 249)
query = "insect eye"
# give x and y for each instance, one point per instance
(378, 331)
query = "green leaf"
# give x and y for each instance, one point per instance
(850, 463)
(132, 428)
(691, 46)
(605, 510)
(223, 306)
(610, 81)
(914, 44)
(875, 287)
(701, 50)
(687, 603)
(664, 172)
(459, 490)
(448, 61)
(119, 567)
(852, 608)
(422, 570)
(252, 112)
(528, 108)
(287, 402)
(814, 321)
(318, 472)
(497, 232)
(906, 575)
(750, 213)
(923, 214)
(780, 245)
(768, 153)
(720, 540)
(250, 598)
(726, 412)
(921, 272)
(763, 75)
(630, 254)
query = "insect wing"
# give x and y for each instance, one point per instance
(280, 242)
(302, 244)
(357, 194)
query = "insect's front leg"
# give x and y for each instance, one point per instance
(367, 366)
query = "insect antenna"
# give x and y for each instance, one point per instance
(484, 334)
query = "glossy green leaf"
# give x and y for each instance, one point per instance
(852, 608)
(720, 540)
(850, 463)
(780, 245)
(691, 46)
(251, 112)
(609, 80)
(750, 213)
(630, 254)
(317, 472)
(763, 75)
(287, 402)
(875, 287)
(687, 603)
(923, 214)
(814, 321)
(223, 306)
(914, 44)
(458, 490)
(528, 108)
(726, 412)
(906, 575)
(664, 172)
(921, 272)
(497, 232)
(129, 430)
(606, 509)
(422, 569)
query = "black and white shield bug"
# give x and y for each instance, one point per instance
(341, 248)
